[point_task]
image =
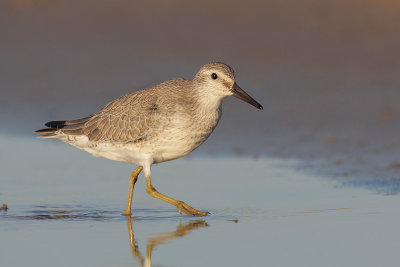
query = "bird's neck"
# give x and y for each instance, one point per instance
(208, 103)
(206, 113)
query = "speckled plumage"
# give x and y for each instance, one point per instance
(161, 123)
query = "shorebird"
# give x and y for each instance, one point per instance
(161, 123)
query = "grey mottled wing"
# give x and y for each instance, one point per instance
(130, 118)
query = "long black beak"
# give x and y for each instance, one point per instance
(239, 93)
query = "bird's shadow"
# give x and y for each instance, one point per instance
(160, 239)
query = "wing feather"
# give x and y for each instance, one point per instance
(134, 117)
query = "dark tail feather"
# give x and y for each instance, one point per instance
(71, 127)
(62, 124)
(46, 131)
(55, 124)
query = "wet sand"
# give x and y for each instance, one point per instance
(65, 206)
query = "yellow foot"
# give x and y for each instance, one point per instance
(126, 213)
(188, 210)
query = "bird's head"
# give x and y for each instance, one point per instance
(218, 80)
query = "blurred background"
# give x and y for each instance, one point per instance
(327, 73)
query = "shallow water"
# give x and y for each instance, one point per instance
(65, 206)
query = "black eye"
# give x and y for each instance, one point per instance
(214, 76)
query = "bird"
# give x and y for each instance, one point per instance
(154, 125)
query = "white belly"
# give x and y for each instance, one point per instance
(128, 153)
(138, 153)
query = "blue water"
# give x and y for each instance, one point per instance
(65, 206)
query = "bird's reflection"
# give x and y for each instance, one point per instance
(161, 238)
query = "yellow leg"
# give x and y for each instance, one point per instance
(182, 206)
(132, 181)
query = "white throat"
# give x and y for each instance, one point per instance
(208, 103)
